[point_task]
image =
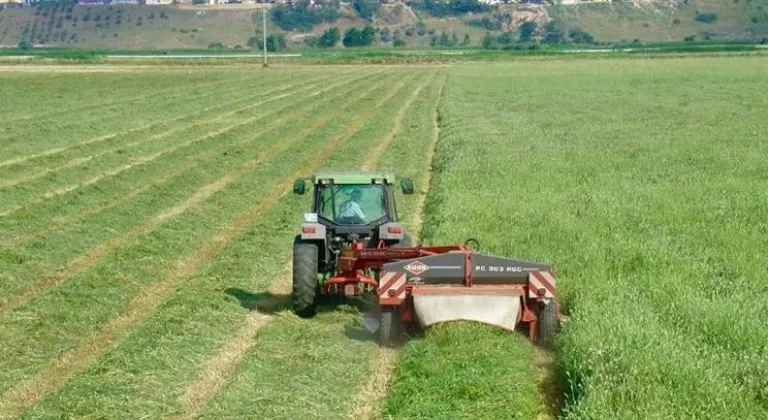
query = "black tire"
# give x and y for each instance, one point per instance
(547, 324)
(390, 326)
(305, 286)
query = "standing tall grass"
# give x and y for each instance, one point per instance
(644, 183)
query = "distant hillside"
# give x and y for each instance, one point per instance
(186, 26)
(669, 20)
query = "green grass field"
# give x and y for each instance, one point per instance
(146, 224)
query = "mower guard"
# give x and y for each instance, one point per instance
(462, 285)
(500, 310)
(431, 285)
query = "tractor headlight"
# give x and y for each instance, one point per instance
(310, 217)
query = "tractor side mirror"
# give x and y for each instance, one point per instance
(407, 185)
(299, 186)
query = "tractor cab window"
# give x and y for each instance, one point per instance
(352, 204)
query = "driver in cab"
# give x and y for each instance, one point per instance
(350, 209)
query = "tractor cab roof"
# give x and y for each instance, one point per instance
(353, 177)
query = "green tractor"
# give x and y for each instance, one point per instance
(349, 209)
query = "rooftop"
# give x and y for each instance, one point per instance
(354, 177)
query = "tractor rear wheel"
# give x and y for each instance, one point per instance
(304, 278)
(389, 328)
(547, 323)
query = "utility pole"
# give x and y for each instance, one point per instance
(264, 28)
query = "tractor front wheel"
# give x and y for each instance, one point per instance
(305, 286)
(389, 329)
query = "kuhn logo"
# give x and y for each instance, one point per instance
(417, 267)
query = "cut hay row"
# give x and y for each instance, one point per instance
(66, 254)
(384, 360)
(145, 133)
(116, 142)
(73, 213)
(280, 164)
(94, 254)
(245, 213)
(71, 127)
(333, 350)
(164, 290)
(81, 92)
(178, 92)
(382, 363)
(75, 260)
(125, 152)
(220, 368)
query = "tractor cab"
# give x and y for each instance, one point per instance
(351, 207)
(352, 203)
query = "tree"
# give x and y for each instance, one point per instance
(705, 17)
(368, 35)
(444, 40)
(398, 40)
(385, 35)
(275, 42)
(466, 40)
(554, 33)
(329, 38)
(24, 45)
(354, 37)
(301, 16)
(366, 8)
(580, 36)
(454, 39)
(489, 42)
(310, 41)
(526, 31)
(351, 37)
(505, 38)
(421, 28)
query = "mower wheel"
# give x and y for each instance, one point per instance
(304, 278)
(547, 323)
(390, 327)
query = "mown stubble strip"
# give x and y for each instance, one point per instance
(384, 144)
(37, 175)
(95, 254)
(219, 369)
(550, 397)
(418, 216)
(145, 159)
(176, 172)
(384, 360)
(54, 375)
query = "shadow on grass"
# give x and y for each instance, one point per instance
(266, 302)
(270, 304)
